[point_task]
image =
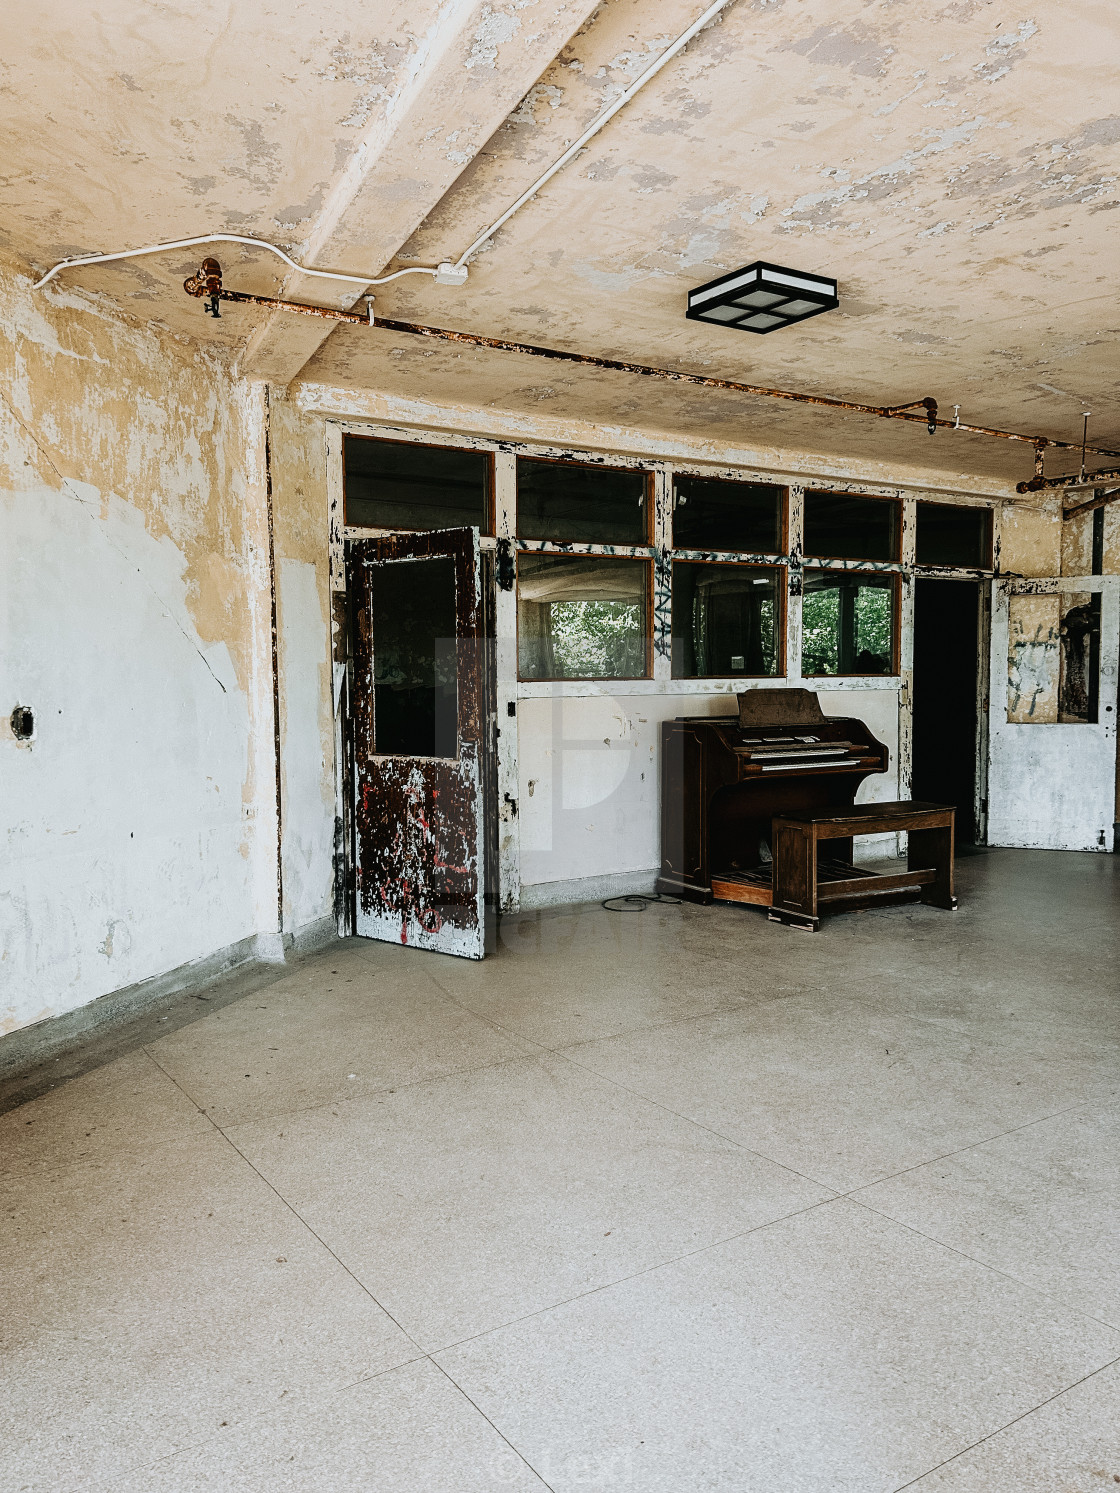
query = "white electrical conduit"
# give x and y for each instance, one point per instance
(593, 129)
(446, 268)
(224, 238)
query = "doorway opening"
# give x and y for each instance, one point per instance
(946, 668)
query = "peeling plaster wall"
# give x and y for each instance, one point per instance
(138, 824)
(1031, 539)
(299, 496)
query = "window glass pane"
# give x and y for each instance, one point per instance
(1080, 671)
(710, 514)
(568, 503)
(399, 485)
(839, 527)
(847, 623)
(582, 617)
(949, 535)
(415, 695)
(726, 620)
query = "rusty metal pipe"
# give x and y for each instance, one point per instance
(1099, 502)
(888, 412)
(1090, 479)
(202, 285)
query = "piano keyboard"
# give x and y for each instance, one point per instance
(774, 753)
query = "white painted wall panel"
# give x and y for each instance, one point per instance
(308, 784)
(129, 832)
(589, 773)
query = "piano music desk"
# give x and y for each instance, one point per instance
(805, 882)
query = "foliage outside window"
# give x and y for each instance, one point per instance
(847, 623)
(726, 620)
(582, 617)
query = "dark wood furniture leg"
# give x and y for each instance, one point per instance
(934, 847)
(795, 875)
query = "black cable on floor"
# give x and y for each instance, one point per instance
(637, 901)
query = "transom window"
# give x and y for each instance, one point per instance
(952, 534)
(570, 503)
(406, 485)
(710, 513)
(839, 526)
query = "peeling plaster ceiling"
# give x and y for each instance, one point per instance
(955, 169)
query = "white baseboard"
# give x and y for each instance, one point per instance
(586, 888)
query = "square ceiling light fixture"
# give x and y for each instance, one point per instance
(762, 298)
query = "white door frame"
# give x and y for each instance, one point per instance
(1052, 786)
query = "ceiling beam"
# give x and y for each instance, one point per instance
(476, 63)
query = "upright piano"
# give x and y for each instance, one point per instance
(724, 778)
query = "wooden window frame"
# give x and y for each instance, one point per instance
(781, 575)
(756, 556)
(896, 623)
(870, 497)
(594, 466)
(488, 484)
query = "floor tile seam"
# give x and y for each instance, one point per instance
(963, 1150)
(296, 1214)
(834, 1192)
(495, 1428)
(734, 1003)
(1074, 1311)
(504, 1031)
(1014, 1421)
(255, 1417)
(304, 1223)
(417, 1083)
(622, 1280)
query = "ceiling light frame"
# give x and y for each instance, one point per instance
(762, 298)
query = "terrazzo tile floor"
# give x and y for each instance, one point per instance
(676, 1200)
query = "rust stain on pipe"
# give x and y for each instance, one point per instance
(203, 284)
(1099, 502)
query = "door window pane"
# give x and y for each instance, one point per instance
(952, 535)
(710, 514)
(1079, 675)
(726, 620)
(415, 694)
(840, 527)
(582, 617)
(847, 623)
(1054, 658)
(569, 503)
(402, 485)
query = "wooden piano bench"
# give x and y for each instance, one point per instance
(807, 882)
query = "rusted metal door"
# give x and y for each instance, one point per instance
(1052, 726)
(419, 720)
